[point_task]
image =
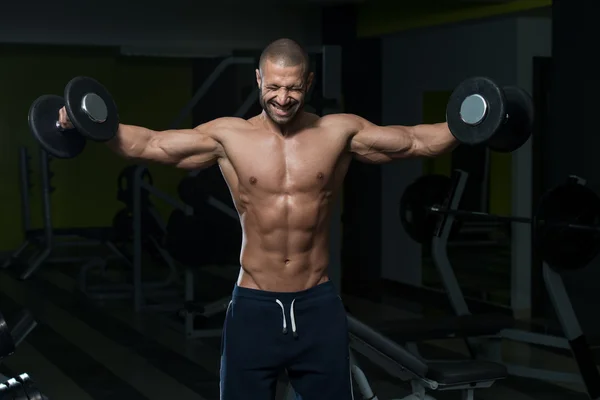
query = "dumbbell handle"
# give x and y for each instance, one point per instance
(93, 106)
(61, 129)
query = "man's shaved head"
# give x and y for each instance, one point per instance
(284, 78)
(286, 53)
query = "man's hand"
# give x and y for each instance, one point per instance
(63, 119)
(379, 144)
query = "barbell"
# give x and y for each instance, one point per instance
(565, 225)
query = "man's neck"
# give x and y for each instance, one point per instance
(283, 130)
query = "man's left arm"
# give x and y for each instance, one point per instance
(380, 144)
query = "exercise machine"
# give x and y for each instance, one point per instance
(567, 240)
(42, 244)
(151, 227)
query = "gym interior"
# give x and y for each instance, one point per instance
(115, 276)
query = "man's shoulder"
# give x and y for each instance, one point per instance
(224, 124)
(232, 122)
(341, 122)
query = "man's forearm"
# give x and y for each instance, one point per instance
(130, 141)
(433, 139)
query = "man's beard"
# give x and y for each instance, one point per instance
(280, 119)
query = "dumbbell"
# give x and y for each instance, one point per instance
(20, 388)
(90, 108)
(479, 111)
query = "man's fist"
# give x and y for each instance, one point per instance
(63, 119)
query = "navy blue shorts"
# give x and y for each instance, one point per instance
(303, 333)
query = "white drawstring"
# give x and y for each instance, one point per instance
(283, 315)
(292, 317)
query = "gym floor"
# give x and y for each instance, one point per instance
(105, 351)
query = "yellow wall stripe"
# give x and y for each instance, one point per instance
(385, 17)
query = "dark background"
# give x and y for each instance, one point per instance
(400, 62)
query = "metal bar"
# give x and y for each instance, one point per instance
(138, 299)
(462, 214)
(39, 259)
(224, 208)
(47, 212)
(539, 339)
(24, 178)
(163, 196)
(248, 102)
(203, 89)
(570, 326)
(440, 255)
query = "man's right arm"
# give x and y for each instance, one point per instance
(195, 148)
(186, 148)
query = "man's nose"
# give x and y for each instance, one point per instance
(282, 97)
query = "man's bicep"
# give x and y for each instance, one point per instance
(378, 144)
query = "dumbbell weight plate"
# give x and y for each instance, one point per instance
(42, 119)
(91, 109)
(560, 247)
(519, 125)
(476, 110)
(423, 193)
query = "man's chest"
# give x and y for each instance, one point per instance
(301, 163)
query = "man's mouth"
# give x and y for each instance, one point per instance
(281, 110)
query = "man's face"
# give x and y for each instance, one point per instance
(282, 90)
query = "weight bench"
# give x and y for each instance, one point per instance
(424, 375)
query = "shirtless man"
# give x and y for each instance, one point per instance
(284, 169)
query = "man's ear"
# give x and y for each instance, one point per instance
(309, 80)
(258, 78)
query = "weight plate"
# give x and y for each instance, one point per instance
(42, 119)
(494, 116)
(108, 123)
(560, 247)
(425, 192)
(518, 127)
(7, 345)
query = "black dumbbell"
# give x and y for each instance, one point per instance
(29, 387)
(481, 112)
(90, 108)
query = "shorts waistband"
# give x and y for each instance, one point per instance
(322, 289)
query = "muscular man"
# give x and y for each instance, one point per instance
(284, 169)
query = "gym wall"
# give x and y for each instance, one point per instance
(416, 64)
(175, 28)
(148, 92)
